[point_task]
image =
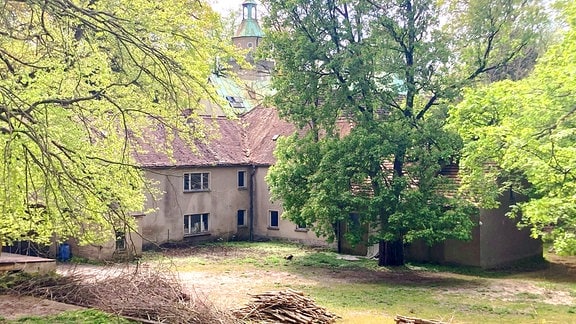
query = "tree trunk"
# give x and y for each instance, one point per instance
(391, 253)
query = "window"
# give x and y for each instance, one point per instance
(301, 226)
(235, 102)
(241, 179)
(241, 218)
(196, 181)
(120, 240)
(273, 219)
(195, 224)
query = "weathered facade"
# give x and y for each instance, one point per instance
(496, 242)
(217, 189)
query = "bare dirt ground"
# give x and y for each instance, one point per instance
(232, 289)
(14, 307)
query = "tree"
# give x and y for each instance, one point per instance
(81, 81)
(389, 68)
(520, 135)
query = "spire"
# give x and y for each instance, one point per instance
(249, 32)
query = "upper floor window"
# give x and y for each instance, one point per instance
(196, 181)
(241, 179)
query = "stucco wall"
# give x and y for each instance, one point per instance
(108, 250)
(502, 243)
(221, 202)
(243, 42)
(496, 242)
(262, 207)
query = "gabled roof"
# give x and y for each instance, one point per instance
(223, 148)
(248, 140)
(263, 127)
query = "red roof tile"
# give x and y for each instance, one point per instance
(247, 140)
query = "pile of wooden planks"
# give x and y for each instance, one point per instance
(289, 306)
(413, 320)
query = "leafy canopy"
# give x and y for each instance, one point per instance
(368, 84)
(521, 135)
(80, 81)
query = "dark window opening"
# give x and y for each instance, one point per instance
(241, 218)
(241, 179)
(235, 102)
(274, 219)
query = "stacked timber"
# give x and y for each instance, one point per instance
(289, 306)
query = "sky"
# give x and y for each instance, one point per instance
(225, 6)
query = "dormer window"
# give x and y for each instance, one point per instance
(235, 102)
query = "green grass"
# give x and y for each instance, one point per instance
(84, 316)
(361, 292)
(375, 296)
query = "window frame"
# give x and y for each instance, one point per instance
(300, 228)
(204, 224)
(244, 223)
(270, 213)
(204, 181)
(120, 240)
(243, 177)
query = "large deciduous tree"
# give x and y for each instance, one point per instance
(388, 69)
(522, 135)
(79, 83)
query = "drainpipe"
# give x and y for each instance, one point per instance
(252, 195)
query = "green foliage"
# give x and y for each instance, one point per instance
(71, 317)
(368, 84)
(520, 135)
(81, 82)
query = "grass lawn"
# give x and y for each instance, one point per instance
(361, 292)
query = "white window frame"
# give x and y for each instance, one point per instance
(243, 218)
(204, 181)
(203, 224)
(270, 213)
(121, 243)
(299, 228)
(241, 173)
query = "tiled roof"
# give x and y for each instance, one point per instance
(263, 127)
(249, 139)
(223, 147)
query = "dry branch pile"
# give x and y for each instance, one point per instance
(288, 306)
(150, 297)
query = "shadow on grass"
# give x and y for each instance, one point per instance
(328, 266)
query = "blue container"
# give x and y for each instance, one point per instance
(64, 252)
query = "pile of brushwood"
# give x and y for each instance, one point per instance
(288, 306)
(152, 296)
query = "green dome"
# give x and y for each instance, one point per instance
(249, 26)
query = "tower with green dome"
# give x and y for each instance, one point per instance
(249, 33)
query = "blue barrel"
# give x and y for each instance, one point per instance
(64, 252)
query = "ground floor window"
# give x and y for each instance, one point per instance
(241, 218)
(195, 224)
(120, 240)
(301, 226)
(273, 219)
